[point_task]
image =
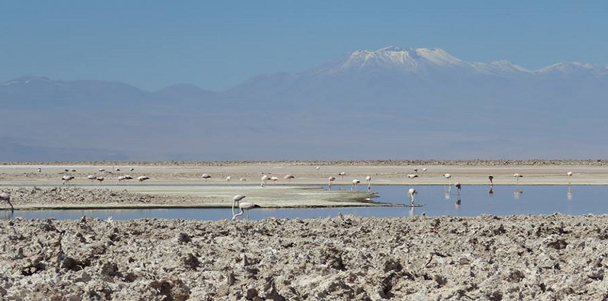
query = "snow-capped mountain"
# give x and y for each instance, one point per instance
(388, 103)
(394, 59)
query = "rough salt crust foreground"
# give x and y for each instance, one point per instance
(552, 257)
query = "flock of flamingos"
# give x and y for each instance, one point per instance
(244, 206)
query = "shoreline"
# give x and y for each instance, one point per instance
(182, 186)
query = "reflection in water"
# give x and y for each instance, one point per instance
(6, 215)
(491, 191)
(569, 194)
(539, 200)
(517, 193)
(412, 214)
(447, 192)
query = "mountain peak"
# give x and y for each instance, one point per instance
(395, 59)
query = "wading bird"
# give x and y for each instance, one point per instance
(449, 177)
(289, 177)
(142, 178)
(206, 176)
(331, 180)
(491, 178)
(459, 187)
(412, 192)
(264, 180)
(124, 178)
(7, 198)
(66, 179)
(100, 179)
(412, 176)
(369, 182)
(236, 202)
(342, 174)
(92, 177)
(355, 184)
(517, 176)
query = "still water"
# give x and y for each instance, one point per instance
(434, 200)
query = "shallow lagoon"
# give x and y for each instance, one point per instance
(435, 200)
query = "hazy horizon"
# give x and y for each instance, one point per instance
(216, 46)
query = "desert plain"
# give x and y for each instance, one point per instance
(551, 257)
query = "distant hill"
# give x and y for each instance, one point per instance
(390, 103)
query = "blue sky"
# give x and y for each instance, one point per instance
(219, 44)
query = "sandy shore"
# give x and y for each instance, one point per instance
(344, 258)
(179, 184)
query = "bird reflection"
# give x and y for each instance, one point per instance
(517, 193)
(491, 191)
(8, 215)
(412, 214)
(569, 194)
(458, 203)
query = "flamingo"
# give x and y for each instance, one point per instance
(424, 170)
(288, 177)
(491, 178)
(237, 198)
(206, 176)
(100, 179)
(92, 177)
(274, 179)
(369, 182)
(569, 194)
(412, 176)
(264, 179)
(449, 177)
(131, 169)
(7, 198)
(459, 187)
(228, 178)
(124, 178)
(517, 176)
(342, 174)
(142, 178)
(331, 180)
(318, 167)
(412, 192)
(355, 183)
(242, 179)
(66, 179)
(101, 170)
(236, 202)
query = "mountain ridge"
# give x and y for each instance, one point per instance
(390, 103)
